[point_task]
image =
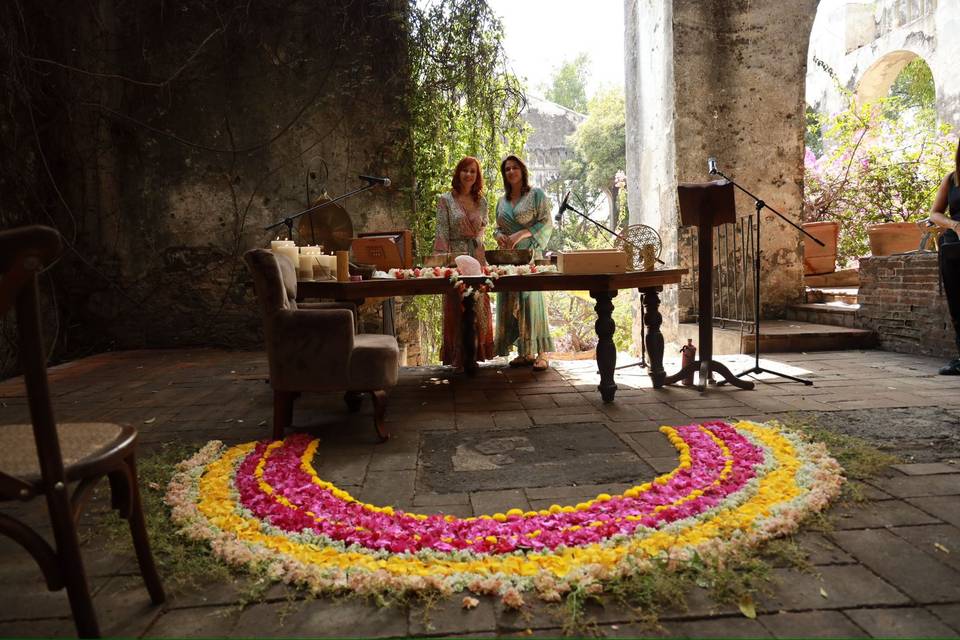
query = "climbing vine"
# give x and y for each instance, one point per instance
(463, 101)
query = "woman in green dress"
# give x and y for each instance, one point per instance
(523, 222)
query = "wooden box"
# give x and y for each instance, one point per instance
(385, 249)
(592, 261)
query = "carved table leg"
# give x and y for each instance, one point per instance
(606, 351)
(652, 321)
(468, 332)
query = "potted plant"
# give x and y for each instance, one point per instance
(819, 259)
(877, 178)
(817, 208)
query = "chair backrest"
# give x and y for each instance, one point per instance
(24, 252)
(274, 280)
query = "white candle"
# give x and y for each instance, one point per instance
(330, 264)
(305, 270)
(289, 252)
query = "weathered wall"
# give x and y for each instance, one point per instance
(880, 38)
(737, 71)
(902, 301)
(546, 148)
(651, 144)
(175, 133)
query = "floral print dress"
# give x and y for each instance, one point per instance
(522, 315)
(460, 232)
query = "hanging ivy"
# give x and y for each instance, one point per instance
(463, 101)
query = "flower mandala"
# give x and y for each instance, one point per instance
(263, 505)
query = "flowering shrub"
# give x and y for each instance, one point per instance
(881, 162)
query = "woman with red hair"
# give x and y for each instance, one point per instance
(461, 221)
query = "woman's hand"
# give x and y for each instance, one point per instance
(503, 241)
(517, 237)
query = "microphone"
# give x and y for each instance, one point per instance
(712, 166)
(374, 180)
(564, 205)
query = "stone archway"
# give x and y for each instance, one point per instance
(866, 44)
(879, 77)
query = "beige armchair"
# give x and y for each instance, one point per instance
(315, 348)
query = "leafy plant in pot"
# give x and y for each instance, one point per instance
(878, 175)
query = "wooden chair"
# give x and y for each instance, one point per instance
(314, 347)
(43, 459)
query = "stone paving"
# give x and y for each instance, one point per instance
(509, 438)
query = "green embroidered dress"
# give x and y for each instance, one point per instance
(522, 315)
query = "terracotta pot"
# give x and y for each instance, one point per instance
(894, 237)
(817, 259)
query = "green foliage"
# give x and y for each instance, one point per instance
(463, 101)
(572, 319)
(914, 85)
(813, 134)
(600, 148)
(600, 143)
(880, 162)
(569, 84)
(599, 155)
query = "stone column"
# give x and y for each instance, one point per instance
(722, 79)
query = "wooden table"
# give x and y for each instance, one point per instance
(602, 287)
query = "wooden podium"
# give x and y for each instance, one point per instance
(706, 205)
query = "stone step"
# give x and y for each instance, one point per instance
(838, 314)
(847, 295)
(844, 278)
(784, 336)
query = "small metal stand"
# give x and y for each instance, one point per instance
(706, 206)
(643, 344)
(760, 206)
(566, 206)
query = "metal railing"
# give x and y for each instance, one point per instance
(734, 252)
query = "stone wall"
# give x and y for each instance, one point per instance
(546, 148)
(721, 79)
(880, 39)
(175, 133)
(651, 147)
(901, 300)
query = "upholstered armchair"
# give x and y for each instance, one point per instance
(315, 347)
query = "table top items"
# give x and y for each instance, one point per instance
(508, 256)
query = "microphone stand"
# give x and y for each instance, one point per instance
(643, 347)
(288, 221)
(760, 205)
(567, 207)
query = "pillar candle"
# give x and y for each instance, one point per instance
(287, 249)
(331, 262)
(328, 267)
(305, 269)
(343, 266)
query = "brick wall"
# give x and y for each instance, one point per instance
(900, 298)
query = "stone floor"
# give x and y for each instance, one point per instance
(510, 438)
